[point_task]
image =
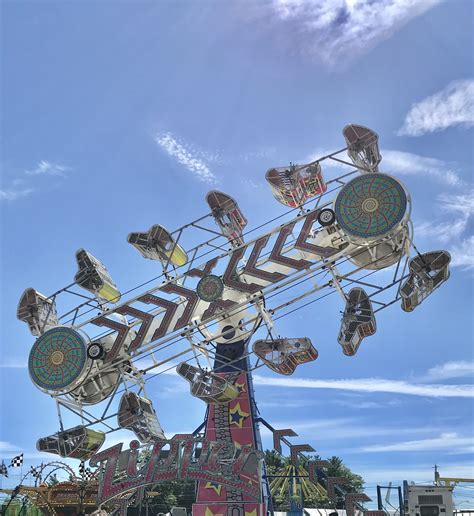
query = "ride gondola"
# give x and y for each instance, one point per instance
(428, 271)
(158, 244)
(137, 414)
(363, 147)
(207, 386)
(76, 443)
(38, 311)
(94, 277)
(358, 321)
(294, 185)
(284, 355)
(228, 216)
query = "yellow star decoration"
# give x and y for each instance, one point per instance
(240, 387)
(210, 513)
(251, 513)
(214, 485)
(237, 416)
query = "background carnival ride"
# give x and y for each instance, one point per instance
(204, 309)
(55, 488)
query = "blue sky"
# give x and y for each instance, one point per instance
(120, 115)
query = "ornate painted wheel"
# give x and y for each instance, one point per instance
(58, 359)
(210, 288)
(370, 206)
(95, 351)
(326, 217)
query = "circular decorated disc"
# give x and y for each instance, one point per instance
(370, 206)
(57, 358)
(210, 288)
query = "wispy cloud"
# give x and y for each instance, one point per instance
(47, 168)
(407, 163)
(171, 391)
(372, 385)
(443, 232)
(7, 447)
(290, 403)
(458, 203)
(263, 153)
(335, 31)
(463, 253)
(13, 193)
(341, 428)
(16, 189)
(21, 187)
(183, 153)
(452, 106)
(367, 405)
(451, 442)
(455, 369)
(450, 231)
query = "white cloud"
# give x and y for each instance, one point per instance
(463, 253)
(13, 193)
(366, 405)
(46, 168)
(291, 403)
(443, 232)
(184, 155)
(263, 153)
(341, 428)
(179, 387)
(372, 385)
(451, 231)
(20, 187)
(455, 369)
(454, 105)
(451, 442)
(7, 447)
(459, 203)
(407, 163)
(336, 31)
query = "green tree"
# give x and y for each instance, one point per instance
(355, 483)
(337, 468)
(52, 480)
(171, 494)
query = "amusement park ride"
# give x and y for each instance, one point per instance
(51, 495)
(204, 311)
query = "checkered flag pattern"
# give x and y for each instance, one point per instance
(35, 472)
(88, 475)
(3, 470)
(81, 468)
(17, 461)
